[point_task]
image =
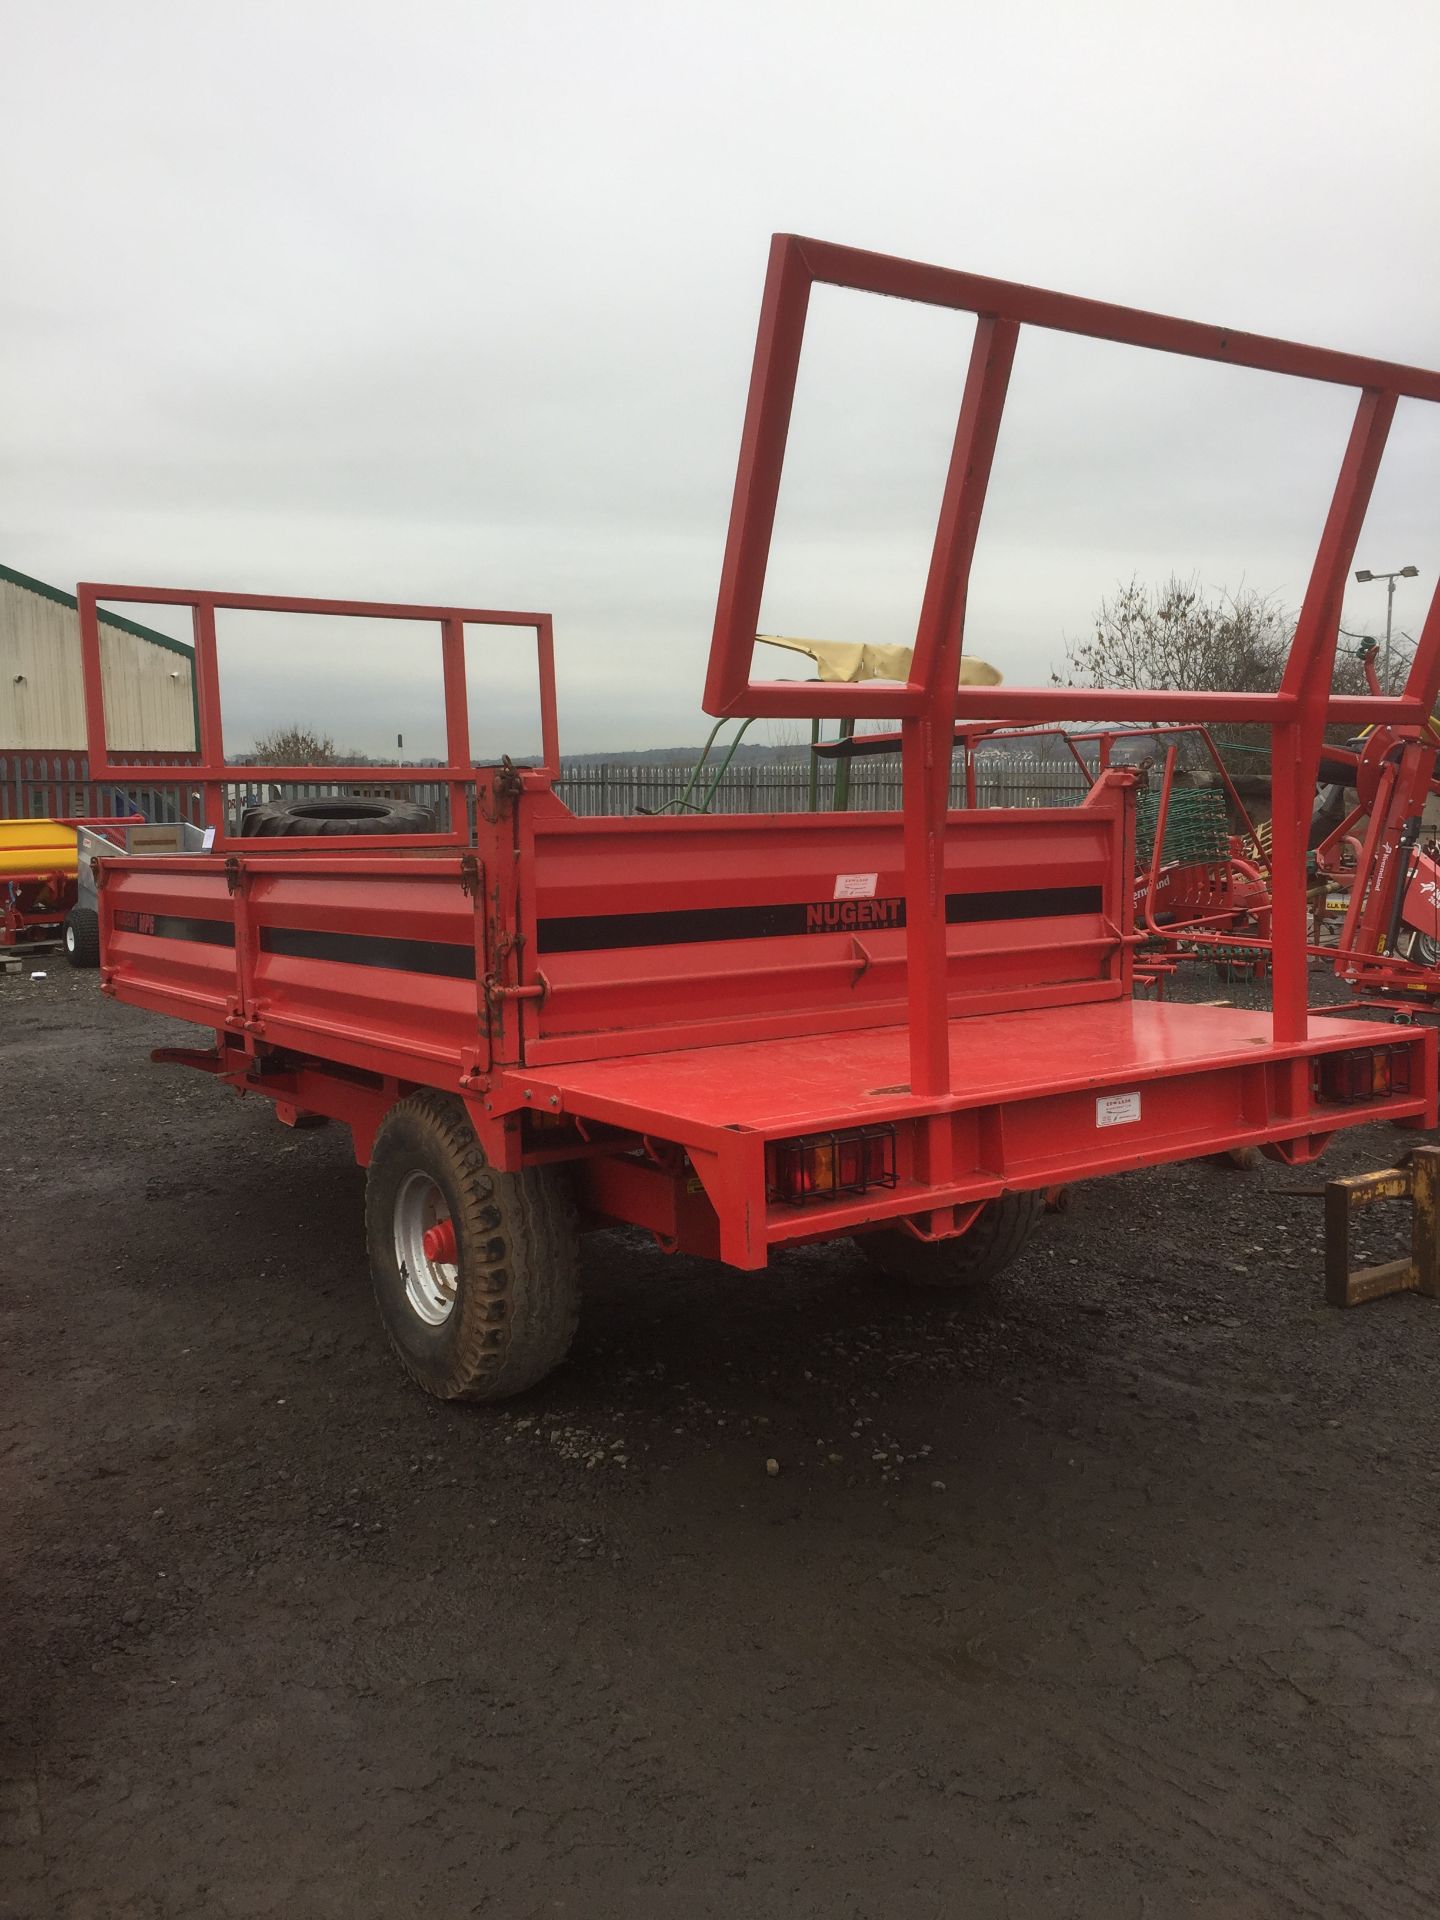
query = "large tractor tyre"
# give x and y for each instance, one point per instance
(476, 1272)
(82, 937)
(988, 1246)
(335, 814)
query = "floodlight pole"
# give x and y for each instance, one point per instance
(1363, 575)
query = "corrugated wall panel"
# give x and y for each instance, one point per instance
(149, 699)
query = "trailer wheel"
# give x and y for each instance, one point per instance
(82, 937)
(983, 1250)
(337, 813)
(476, 1272)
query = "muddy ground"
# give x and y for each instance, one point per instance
(1109, 1592)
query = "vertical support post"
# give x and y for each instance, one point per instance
(1157, 850)
(927, 740)
(244, 1010)
(1297, 735)
(549, 711)
(1365, 874)
(778, 343)
(93, 678)
(457, 715)
(1422, 684)
(1382, 876)
(840, 800)
(1124, 966)
(212, 731)
(457, 710)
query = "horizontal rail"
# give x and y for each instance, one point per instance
(857, 963)
(883, 700)
(282, 603)
(245, 773)
(881, 273)
(211, 772)
(1262, 709)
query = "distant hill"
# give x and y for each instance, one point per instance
(746, 755)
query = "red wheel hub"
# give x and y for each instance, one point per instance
(439, 1243)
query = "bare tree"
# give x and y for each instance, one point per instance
(295, 746)
(1176, 638)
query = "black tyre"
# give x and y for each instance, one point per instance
(82, 937)
(335, 814)
(501, 1314)
(983, 1250)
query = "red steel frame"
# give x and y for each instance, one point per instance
(211, 773)
(931, 700)
(666, 1068)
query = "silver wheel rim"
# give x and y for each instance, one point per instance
(69, 938)
(430, 1285)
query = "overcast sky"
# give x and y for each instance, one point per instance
(456, 303)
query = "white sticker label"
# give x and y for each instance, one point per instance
(1117, 1109)
(209, 840)
(856, 886)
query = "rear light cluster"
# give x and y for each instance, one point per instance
(1366, 1073)
(820, 1166)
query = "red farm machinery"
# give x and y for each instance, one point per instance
(1381, 861)
(746, 1033)
(43, 889)
(1200, 860)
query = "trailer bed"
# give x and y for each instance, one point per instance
(779, 1087)
(1040, 1097)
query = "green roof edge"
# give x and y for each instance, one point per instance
(108, 619)
(63, 599)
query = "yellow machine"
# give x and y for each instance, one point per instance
(32, 847)
(39, 864)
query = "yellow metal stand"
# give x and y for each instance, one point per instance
(1416, 1179)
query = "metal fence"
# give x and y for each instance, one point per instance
(784, 786)
(45, 785)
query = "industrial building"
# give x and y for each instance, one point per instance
(149, 678)
(150, 705)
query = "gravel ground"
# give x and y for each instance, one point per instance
(1107, 1592)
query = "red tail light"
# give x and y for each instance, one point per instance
(1366, 1073)
(821, 1165)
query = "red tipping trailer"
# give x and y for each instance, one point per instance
(743, 1033)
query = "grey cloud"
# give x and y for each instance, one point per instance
(457, 303)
